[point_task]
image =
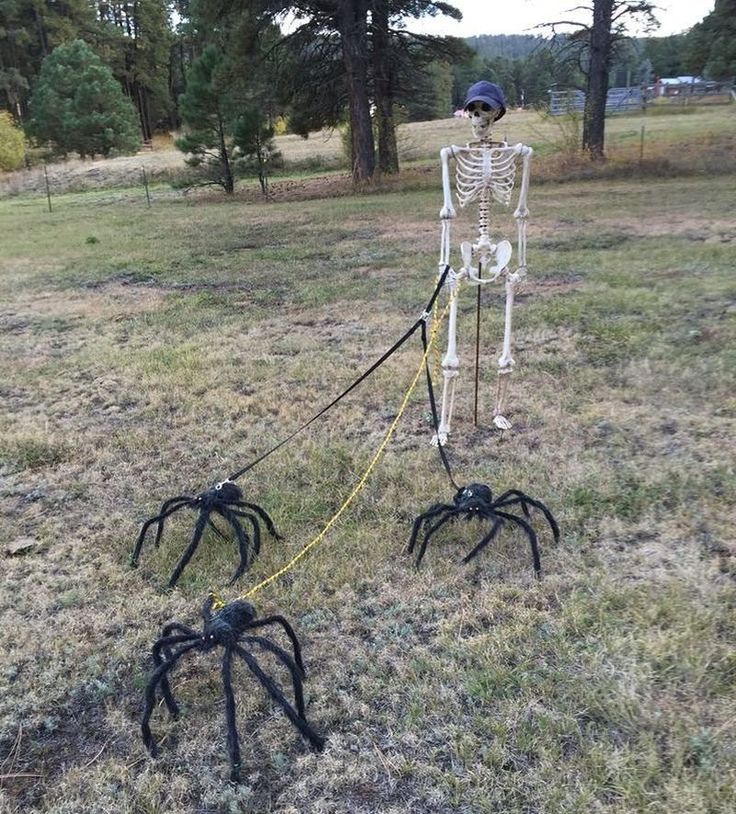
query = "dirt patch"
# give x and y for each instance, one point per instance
(74, 735)
(121, 301)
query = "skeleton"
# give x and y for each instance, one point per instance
(485, 171)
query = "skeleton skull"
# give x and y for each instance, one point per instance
(485, 104)
(482, 116)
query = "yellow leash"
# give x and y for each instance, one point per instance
(218, 601)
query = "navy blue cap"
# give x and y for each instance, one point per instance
(486, 92)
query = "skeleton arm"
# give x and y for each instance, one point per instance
(447, 210)
(522, 213)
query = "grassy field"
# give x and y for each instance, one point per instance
(660, 141)
(146, 353)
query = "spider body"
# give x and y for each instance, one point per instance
(476, 501)
(225, 499)
(231, 628)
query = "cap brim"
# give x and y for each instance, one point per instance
(494, 104)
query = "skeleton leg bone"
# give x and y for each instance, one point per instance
(505, 361)
(450, 368)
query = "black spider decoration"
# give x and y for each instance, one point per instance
(229, 627)
(224, 499)
(476, 500)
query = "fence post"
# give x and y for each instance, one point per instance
(48, 189)
(641, 144)
(145, 184)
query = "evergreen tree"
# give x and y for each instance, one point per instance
(29, 32)
(362, 49)
(77, 106)
(135, 41)
(253, 137)
(667, 54)
(593, 48)
(208, 109)
(711, 44)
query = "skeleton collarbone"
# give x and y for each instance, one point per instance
(485, 167)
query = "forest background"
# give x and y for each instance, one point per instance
(232, 73)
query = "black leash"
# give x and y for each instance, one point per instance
(420, 323)
(433, 406)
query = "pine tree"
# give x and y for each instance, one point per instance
(254, 139)
(206, 108)
(29, 32)
(711, 44)
(77, 106)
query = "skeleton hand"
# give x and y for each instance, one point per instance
(518, 277)
(466, 252)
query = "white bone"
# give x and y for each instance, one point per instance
(485, 171)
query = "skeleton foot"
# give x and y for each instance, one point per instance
(439, 439)
(501, 422)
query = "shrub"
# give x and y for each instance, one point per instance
(12, 143)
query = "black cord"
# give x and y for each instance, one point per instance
(421, 322)
(433, 406)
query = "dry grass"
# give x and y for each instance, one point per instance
(186, 338)
(674, 144)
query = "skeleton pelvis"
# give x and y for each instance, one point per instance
(485, 261)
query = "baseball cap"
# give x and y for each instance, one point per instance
(486, 92)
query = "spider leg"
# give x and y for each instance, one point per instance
(277, 695)
(160, 671)
(164, 644)
(243, 542)
(484, 542)
(517, 497)
(289, 663)
(233, 743)
(263, 515)
(144, 531)
(530, 534)
(523, 500)
(431, 530)
(253, 520)
(167, 630)
(182, 500)
(289, 630)
(191, 548)
(433, 511)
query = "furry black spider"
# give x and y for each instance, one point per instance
(229, 627)
(476, 501)
(224, 499)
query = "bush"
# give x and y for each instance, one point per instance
(12, 143)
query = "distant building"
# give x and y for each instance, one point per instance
(687, 86)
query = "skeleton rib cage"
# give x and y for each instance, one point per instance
(485, 168)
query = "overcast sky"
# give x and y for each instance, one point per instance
(520, 16)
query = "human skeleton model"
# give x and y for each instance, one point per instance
(485, 171)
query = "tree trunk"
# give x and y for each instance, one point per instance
(594, 117)
(352, 16)
(227, 180)
(388, 153)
